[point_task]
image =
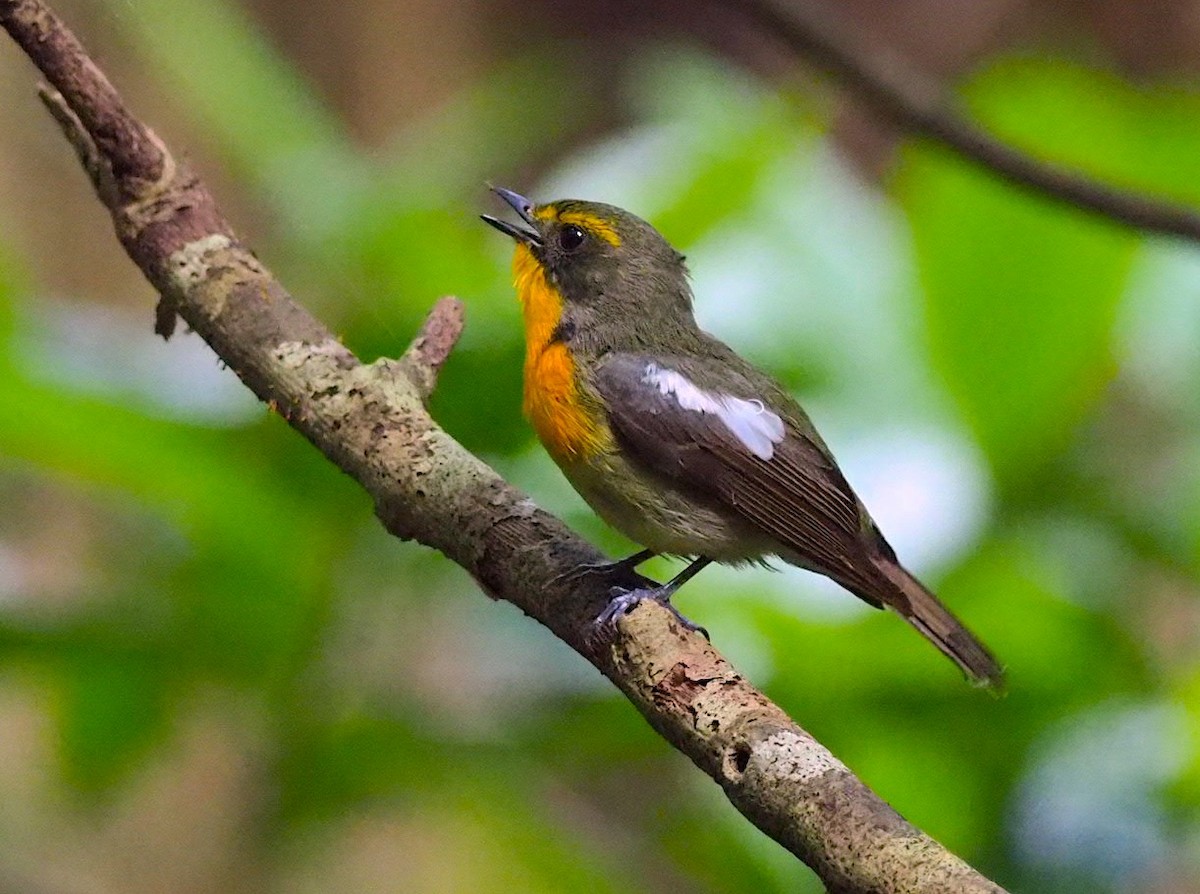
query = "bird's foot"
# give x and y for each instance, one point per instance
(624, 601)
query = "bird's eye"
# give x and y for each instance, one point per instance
(571, 237)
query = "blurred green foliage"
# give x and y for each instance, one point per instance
(231, 558)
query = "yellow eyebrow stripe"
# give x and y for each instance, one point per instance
(593, 224)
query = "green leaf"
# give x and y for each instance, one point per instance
(1021, 293)
(727, 134)
(1133, 136)
(113, 708)
(241, 91)
(250, 593)
(8, 290)
(327, 769)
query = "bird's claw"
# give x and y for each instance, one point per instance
(623, 601)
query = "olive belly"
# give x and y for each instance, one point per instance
(656, 513)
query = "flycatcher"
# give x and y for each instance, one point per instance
(675, 440)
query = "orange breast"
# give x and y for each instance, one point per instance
(567, 422)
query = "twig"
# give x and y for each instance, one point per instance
(371, 422)
(430, 349)
(916, 105)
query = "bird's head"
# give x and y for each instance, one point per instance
(606, 264)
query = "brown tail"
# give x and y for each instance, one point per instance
(926, 613)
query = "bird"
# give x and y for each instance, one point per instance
(674, 439)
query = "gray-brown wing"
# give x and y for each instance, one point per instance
(758, 463)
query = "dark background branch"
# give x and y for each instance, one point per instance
(916, 105)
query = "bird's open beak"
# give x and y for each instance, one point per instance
(524, 208)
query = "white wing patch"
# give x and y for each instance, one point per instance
(751, 422)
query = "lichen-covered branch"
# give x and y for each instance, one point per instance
(370, 420)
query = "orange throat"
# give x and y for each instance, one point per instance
(567, 421)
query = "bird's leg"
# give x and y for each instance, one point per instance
(623, 600)
(624, 567)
